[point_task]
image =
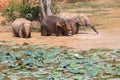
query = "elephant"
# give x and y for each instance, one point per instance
(22, 28)
(78, 20)
(82, 20)
(54, 25)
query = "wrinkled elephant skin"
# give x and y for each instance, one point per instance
(22, 28)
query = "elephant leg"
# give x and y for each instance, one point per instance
(65, 33)
(43, 31)
(29, 34)
(73, 30)
(57, 31)
(13, 33)
(77, 29)
(49, 34)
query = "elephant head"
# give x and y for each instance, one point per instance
(22, 28)
(64, 25)
(27, 28)
(82, 20)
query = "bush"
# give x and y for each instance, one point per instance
(29, 12)
(26, 10)
(9, 11)
(54, 8)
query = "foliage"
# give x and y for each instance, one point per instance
(29, 12)
(9, 11)
(28, 9)
(58, 63)
(75, 0)
(54, 8)
(25, 9)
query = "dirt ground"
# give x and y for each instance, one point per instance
(108, 37)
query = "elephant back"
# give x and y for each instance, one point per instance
(19, 21)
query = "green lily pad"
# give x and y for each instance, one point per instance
(1, 77)
(78, 77)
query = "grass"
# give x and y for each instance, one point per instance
(112, 16)
(66, 6)
(5, 41)
(89, 11)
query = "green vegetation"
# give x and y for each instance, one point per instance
(29, 12)
(93, 5)
(54, 8)
(26, 10)
(4, 41)
(58, 63)
(9, 12)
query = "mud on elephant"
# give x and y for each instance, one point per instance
(54, 25)
(22, 28)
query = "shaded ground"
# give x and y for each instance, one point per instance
(108, 26)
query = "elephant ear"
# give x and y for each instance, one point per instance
(60, 23)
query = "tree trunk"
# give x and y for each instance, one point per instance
(48, 9)
(43, 14)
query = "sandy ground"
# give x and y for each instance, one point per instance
(108, 37)
(84, 40)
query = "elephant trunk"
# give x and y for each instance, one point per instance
(94, 29)
(28, 31)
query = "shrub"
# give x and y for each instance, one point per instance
(29, 12)
(9, 11)
(54, 8)
(26, 10)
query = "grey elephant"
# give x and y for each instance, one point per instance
(76, 21)
(22, 28)
(54, 25)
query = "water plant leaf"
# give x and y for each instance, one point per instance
(78, 77)
(1, 77)
(58, 63)
(14, 78)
